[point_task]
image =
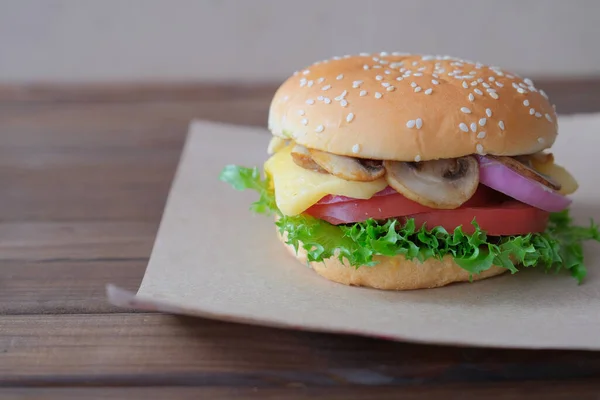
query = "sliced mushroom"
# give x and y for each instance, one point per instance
(302, 158)
(348, 168)
(444, 184)
(526, 171)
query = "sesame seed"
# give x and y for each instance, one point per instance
(472, 73)
(365, 67)
(410, 123)
(387, 72)
(343, 103)
(499, 84)
(305, 72)
(320, 80)
(302, 82)
(543, 94)
(435, 82)
(528, 81)
(482, 121)
(465, 85)
(480, 135)
(473, 126)
(340, 77)
(349, 117)
(378, 95)
(485, 85)
(480, 80)
(326, 87)
(301, 112)
(419, 123)
(319, 129)
(384, 62)
(376, 66)
(463, 127)
(493, 95)
(413, 84)
(466, 110)
(402, 69)
(390, 88)
(488, 112)
(471, 97)
(379, 77)
(417, 158)
(429, 91)
(540, 140)
(479, 148)
(548, 117)
(304, 121)
(356, 84)
(479, 92)
(362, 93)
(418, 89)
(417, 74)
(531, 111)
(421, 69)
(384, 53)
(415, 63)
(310, 83)
(501, 124)
(310, 102)
(385, 84)
(538, 115)
(526, 103)
(521, 90)
(435, 76)
(399, 78)
(320, 98)
(375, 58)
(341, 96)
(327, 100)
(474, 83)
(491, 79)
(355, 148)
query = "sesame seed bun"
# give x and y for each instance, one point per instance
(412, 108)
(394, 273)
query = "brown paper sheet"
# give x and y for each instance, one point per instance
(213, 258)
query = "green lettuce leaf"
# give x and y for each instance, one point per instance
(559, 248)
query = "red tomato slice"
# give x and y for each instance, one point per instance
(495, 213)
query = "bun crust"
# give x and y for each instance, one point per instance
(412, 108)
(394, 273)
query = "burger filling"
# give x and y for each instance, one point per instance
(481, 210)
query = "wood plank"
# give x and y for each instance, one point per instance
(76, 240)
(584, 390)
(85, 184)
(65, 286)
(151, 125)
(163, 350)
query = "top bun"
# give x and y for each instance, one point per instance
(411, 108)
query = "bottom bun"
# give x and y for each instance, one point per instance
(394, 273)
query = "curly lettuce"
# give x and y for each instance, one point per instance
(557, 249)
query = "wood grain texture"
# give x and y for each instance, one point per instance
(84, 176)
(585, 390)
(152, 349)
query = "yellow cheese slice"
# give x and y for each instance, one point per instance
(296, 188)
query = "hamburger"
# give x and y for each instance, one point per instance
(403, 171)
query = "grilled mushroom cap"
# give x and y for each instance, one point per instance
(526, 170)
(302, 158)
(348, 168)
(443, 184)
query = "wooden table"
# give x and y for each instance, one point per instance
(84, 174)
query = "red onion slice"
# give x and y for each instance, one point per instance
(505, 180)
(331, 199)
